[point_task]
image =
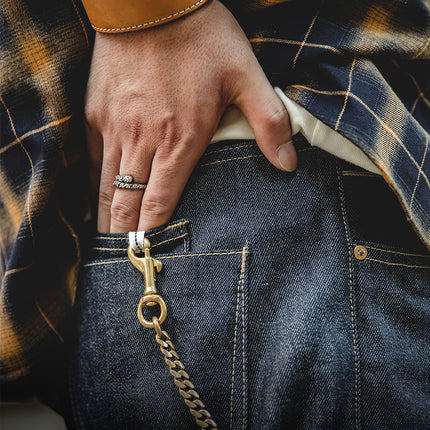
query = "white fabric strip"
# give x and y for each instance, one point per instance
(135, 239)
(233, 125)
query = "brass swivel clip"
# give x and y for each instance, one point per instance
(148, 266)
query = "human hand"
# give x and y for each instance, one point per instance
(154, 99)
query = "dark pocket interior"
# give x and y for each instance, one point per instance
(375, 214)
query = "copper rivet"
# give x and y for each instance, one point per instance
(360, 252)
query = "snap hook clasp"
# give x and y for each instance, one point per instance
(147, 265)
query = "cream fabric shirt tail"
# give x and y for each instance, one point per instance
(233, 125)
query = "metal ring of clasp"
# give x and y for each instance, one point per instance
(144, 301)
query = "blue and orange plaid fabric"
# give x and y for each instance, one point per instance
(360, 66)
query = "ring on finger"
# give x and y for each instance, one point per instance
(127, 182)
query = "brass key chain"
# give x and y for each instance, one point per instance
(148, 265)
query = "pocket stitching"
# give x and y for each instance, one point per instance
(231, 159)
(153, 246)
(161, 257)
(352, 304)
(179, 224)
(240, 292)
(397, 264)
(397, 252)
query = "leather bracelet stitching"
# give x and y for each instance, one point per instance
(181, 12)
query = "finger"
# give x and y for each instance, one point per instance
(268, 118)
(126, 203)
(95, 158)
(110, 168)
(169, 175)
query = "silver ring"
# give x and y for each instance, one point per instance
(127, 182)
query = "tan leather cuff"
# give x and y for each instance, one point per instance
(119, 16)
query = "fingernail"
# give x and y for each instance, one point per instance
(286, 156)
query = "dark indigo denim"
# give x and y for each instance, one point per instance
(277, 322)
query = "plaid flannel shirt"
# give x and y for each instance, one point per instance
(360, 66)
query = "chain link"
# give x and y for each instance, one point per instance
(182, 380)
(148, 266)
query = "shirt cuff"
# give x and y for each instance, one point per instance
(120, 16)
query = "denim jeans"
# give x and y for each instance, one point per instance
(295, 300)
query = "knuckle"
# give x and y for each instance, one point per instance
(105, 200)
(277, 117)
(172, 156)
(121, 212)
(93, 115)
(127, 128)
(169, 131)
(155, 208)
(133, 128)
(90, 116)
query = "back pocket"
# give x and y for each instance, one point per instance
(389, 277)
(119, 377)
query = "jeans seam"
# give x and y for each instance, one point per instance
(183, 236)
(152, 246)
(397, 264)
(231, 149)
(246, 157)
(244, 257)
(169, 240)
(102, 263)
(166, 257)
(240, 292)
(231, 159)
(98, 248)
(234, 352)
(179, 224)
(365, 174)
(352, 307)
(397, 252)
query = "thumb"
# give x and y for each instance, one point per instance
(269, 120)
